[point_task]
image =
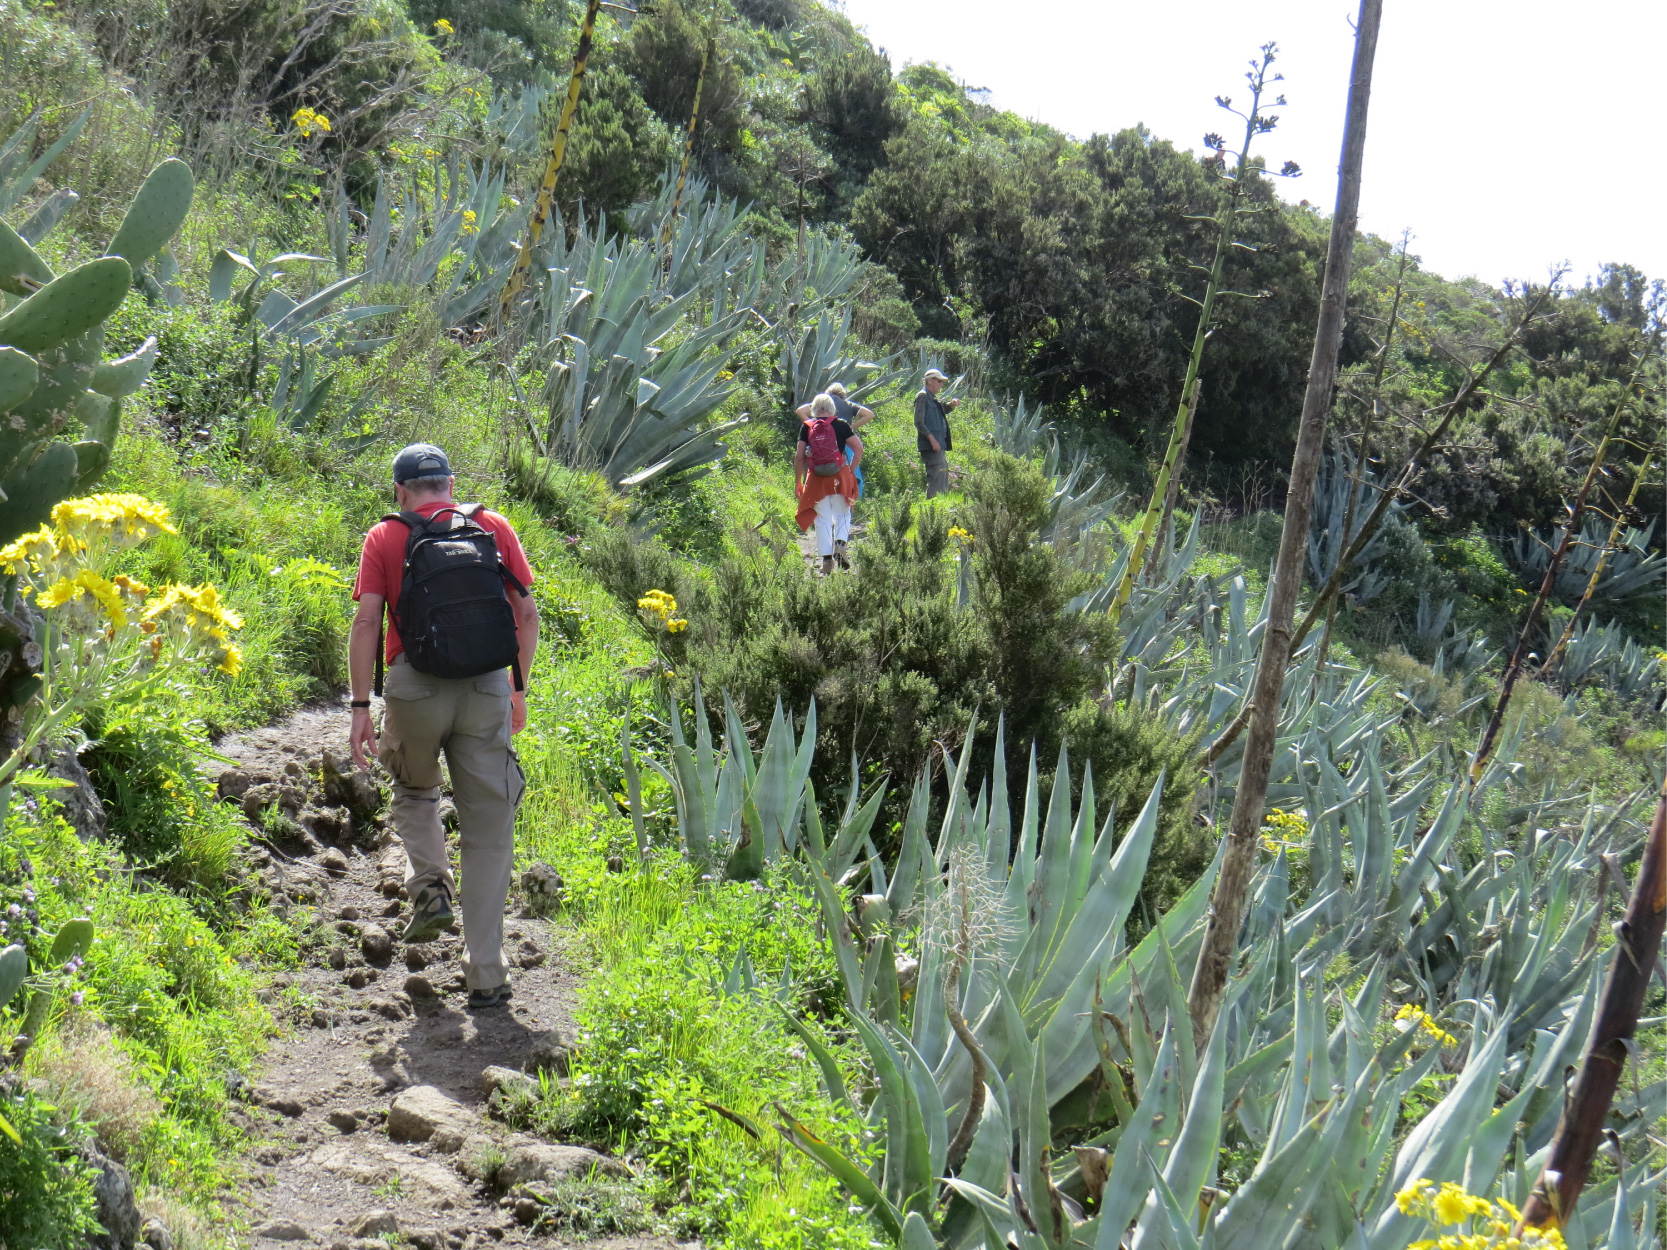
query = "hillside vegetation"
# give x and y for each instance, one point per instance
(884, 888)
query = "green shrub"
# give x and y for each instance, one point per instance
(46, 1194)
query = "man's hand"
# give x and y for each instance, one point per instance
(517, 711)
(934, 443)
(362, 737)
(951, 404)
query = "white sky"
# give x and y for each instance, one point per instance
(1508, 135)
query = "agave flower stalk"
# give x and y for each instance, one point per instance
(1576, 514)
(1556, 656)
(552, 168)
(1581, 1127)
(1365, 457)
(688, 145)
(1233, 886)
(1255, 123)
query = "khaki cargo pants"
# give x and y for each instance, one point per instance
(937, 472)
(468, 719)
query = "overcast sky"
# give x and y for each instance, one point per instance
(1508, 135)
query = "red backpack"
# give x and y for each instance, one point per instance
(825, 457)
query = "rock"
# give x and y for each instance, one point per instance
(282, 1230)
(424, 1184)
(448, 815)
(419, 988)
(541, 1161)
(344, 1121)
(376, 943)
(357, 979)
(548, 1053)
(394, 907)
(114, 1206)
(291, 799)
(321, 1018)
(333, 862)
(416, 959)
(273, 1100)
(446, 1141)
(349, 912)
(542, 881)
(479, 1158)
(527, 1211)
(426, 1238)
(531, 956)
(350, 787)
(497, 1077)
(389, 887)
(155, 1234)
(615, 864)
(81, 805)
(335, 958)
(374, 1224)
(391, 1008)
(234, 783)
(418, 1112)
(257, 798)
(327, 823)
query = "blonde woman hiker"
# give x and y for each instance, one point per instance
(825, 482)
(847, 410)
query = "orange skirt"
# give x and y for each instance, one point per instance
(816, 488)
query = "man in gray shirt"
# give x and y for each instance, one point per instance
(932, 432)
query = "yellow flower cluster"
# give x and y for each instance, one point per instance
(1284, 828)
(1480, 1224)
(955, 531)
(471, 222)
(196, 617)
(307, 121)
(663, 608)
(60, 565)
(443, 27)
(1417, 1017)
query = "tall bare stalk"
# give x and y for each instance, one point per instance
(688, 145)
(1365, 456)
(552, 167)
(1577, 514)
(1169, 496)
(1232, 886)
(1255, 123)
(1581, 1126)
(1556, 657)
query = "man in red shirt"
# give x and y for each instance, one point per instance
(471, 719)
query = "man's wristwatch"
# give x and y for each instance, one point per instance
(360, 703)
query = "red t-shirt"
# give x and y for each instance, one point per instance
(382, 563)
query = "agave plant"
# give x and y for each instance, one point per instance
(1632, 567)
(618, 401)
(1032, 1024)
(18, 173)
(815, 359)
(1339, 474)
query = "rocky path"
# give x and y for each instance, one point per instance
(813, 561)
(371, 1123)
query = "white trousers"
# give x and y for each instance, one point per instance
(833, 522)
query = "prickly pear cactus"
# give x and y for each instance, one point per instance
(60, 401)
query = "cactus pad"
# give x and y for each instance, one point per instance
(68, 306)
(156, 213)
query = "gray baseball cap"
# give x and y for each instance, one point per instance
(934, 373)
(420, 460)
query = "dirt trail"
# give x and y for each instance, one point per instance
(369, 1120)
(807, 546)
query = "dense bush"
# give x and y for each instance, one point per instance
(46, 1196)
(931, 628)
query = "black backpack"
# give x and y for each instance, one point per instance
(453, 614)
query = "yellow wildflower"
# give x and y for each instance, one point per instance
(471, 221)
(676, 626)
(1411, 1199)
(443, 27)
(58, 594)
(1419, 1018)
(39, 549)
(309, 120)
(231, 663)
(955, 531)
(1452, 1204)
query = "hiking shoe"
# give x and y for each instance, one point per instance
(484, 1000)
(839, 554)
(827, 566)
(431, 914)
